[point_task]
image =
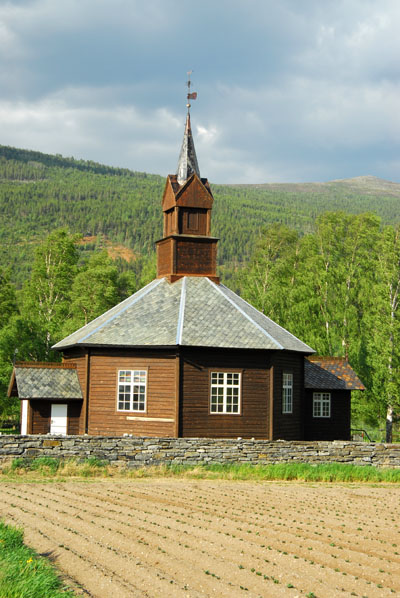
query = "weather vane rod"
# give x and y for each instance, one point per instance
(190, 95)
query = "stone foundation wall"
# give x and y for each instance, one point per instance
(136, 452)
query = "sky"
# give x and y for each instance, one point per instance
(288, 90)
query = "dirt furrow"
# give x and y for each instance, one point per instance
(204, 538)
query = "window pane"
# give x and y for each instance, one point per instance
(132, 390)
(224, 395)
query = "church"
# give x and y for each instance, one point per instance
(185, 356)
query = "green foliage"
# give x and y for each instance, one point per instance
(40, 193)
(8, 298)
(23, 574)
(337, 288)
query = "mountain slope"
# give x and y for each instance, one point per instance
(40, 192)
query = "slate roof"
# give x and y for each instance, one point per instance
(47, 383)
(330, 373)
(193, 311)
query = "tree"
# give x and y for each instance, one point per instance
(8, 300)
(95, 289)
(46, 295)
(22, 340)
(267, 282)
(384, 328)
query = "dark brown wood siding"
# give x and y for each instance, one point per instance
(336, 427)
(195, 256)
(165, 249)
(104, 418)
(288, 426)
(41, 416)
(192, 221)
(195, 416)
(74, 417)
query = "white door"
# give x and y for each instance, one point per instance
(58, 422)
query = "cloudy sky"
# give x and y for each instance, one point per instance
(288, 90)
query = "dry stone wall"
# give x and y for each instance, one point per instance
(135, 452)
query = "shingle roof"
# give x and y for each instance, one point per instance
(194, 311)
(47, 383)
(330, 373)
(187, 163)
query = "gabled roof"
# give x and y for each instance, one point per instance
(194, 311)
(330, 373)
(45, 381)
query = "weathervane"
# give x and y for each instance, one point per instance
(191, 95)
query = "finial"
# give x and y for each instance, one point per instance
(190, 95)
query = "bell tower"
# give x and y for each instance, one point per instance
(187, 249)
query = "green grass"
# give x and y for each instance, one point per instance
(50, 468)
(24, 574)
(334, 472)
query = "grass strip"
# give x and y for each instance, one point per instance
(50, 468)
(24, 574)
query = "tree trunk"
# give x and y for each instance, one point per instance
(389, 423)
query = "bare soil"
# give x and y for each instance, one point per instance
(184, 538)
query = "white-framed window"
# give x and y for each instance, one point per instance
(225, 392)
(287, 392)
(132, 386)
(321, 404)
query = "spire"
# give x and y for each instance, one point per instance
(187, 163)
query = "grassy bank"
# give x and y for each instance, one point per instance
(23, 574)
(59, 469)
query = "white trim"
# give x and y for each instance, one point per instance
(149, 419)
(260, 328)
(24, 417)
(274, 323)
(131, 386)
(225, 386)
(181, 316)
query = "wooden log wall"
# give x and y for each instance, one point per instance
(195, 416)
(288, 426)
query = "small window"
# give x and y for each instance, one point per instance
(193, 220)
(321, 404)
(287, 393)
(132, 390)
(225, 392)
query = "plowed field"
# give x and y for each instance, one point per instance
(184, 538)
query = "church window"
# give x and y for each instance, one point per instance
(132, 390)
(321, 404)
(225, 392)
(287, 392)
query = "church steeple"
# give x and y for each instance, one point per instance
(187, 163)
(187, 249)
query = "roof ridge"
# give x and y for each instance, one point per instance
(46, 365)
(264, 332)
(181, 315)
(273, 321)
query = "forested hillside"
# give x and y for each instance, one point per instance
(322, 259)
(40, 193)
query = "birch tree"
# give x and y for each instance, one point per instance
(384, 333)
(46, 295)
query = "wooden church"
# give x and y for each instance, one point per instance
(185, 356)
